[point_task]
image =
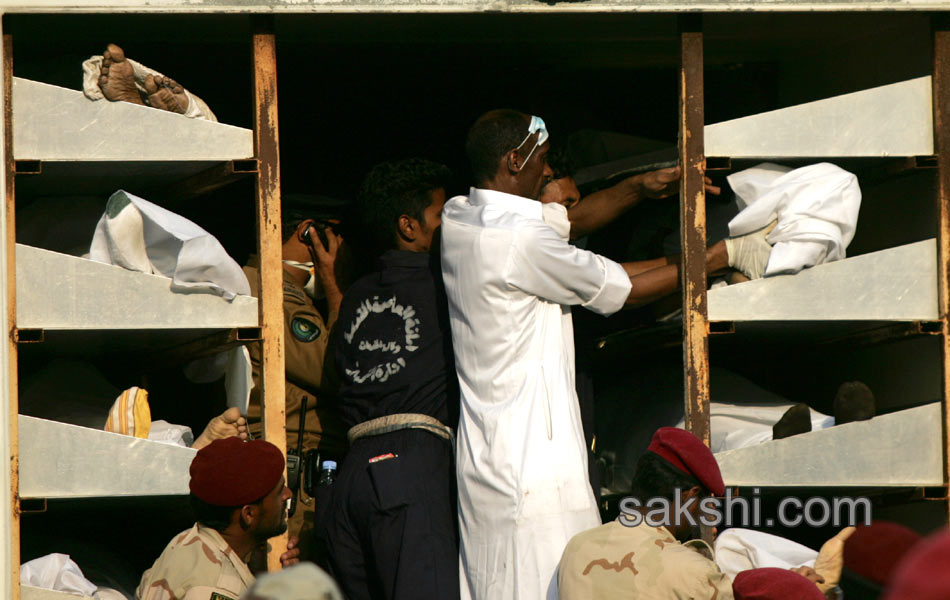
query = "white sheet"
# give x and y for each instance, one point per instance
(816, 208)
(56, 572)
(739, 550)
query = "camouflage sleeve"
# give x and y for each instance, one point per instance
(706, 582)
(209, 593)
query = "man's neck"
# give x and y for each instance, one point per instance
(240, 541)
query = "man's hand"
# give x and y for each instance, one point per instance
(809, 574)
(325, 261)
(665, 182)
(292, 556)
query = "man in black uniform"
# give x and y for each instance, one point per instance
(391, 529)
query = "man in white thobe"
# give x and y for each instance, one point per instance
(511, 280)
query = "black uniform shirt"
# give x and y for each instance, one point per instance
(393, 343)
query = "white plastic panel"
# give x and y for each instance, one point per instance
(897, 284)
(58, 124)
(59, 291)
(898, 449)
(891, 120)
(59, 460)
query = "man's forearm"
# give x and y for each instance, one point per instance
(600, 208)
(653, 279)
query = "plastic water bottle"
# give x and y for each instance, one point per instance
(327, 473)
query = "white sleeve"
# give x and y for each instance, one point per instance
(546, 266)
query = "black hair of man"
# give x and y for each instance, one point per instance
(297, 208)
(493, 135)
(560, 161)
(215, 517)
(396, 188)
(657, 478)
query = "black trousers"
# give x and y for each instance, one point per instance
(391, 524)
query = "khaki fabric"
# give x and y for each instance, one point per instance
(614, 561)
(309, 372)
(196, 565)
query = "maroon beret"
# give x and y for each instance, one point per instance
(689, 454)
(774, 584)
(924, 573)
(873, 551)
(231, 472)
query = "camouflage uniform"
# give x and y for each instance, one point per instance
(615, 561)
(198, 564)
(306, 337)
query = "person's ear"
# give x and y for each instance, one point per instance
(407, 227)
(302, 230)
(248, 516)
(515, 161)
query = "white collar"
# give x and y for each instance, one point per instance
(510, 202)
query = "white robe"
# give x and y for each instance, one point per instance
(522, 459)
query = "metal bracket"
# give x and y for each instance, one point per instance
(29, 336)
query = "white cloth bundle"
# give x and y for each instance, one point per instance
(197, 109)
(56, 572)
(816, 208)
(739, 550)
(141, 236)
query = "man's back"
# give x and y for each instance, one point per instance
(197, 564)
(614, 561)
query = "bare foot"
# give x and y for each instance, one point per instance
(166, 94)
(230, 423)
(116, 79)
(830, 559)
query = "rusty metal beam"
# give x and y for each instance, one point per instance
(693, 228)
(941, 104)
(12, 379)
(267, 151)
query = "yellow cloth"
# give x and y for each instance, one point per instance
(130, 414)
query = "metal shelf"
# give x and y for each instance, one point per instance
(59, 291)
(900, 449)
(897, 284)
(59, 460)
(891, 120)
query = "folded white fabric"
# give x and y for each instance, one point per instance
(739, 550)
(197, 109)
(816, 208)
(141, 236)
(56, 572)
(168, 433)
(554, 216)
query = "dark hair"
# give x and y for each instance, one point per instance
(560, 162)
(289, 221)
(492, 136)
(657, 478)
(215, 517)
(393, 189)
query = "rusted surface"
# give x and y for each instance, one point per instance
(941, 96)
(12, 381)
(693, 230)
(271, 308)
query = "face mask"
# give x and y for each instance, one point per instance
(536, 125)
(313, 287)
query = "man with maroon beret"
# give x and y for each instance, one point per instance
(240, 501)
(629, 558)
(924, 573)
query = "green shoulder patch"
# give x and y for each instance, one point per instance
(304, 330)
(220, 596)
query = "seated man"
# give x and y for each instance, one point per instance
(240, 501)
(616, 560)
(392, 522)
